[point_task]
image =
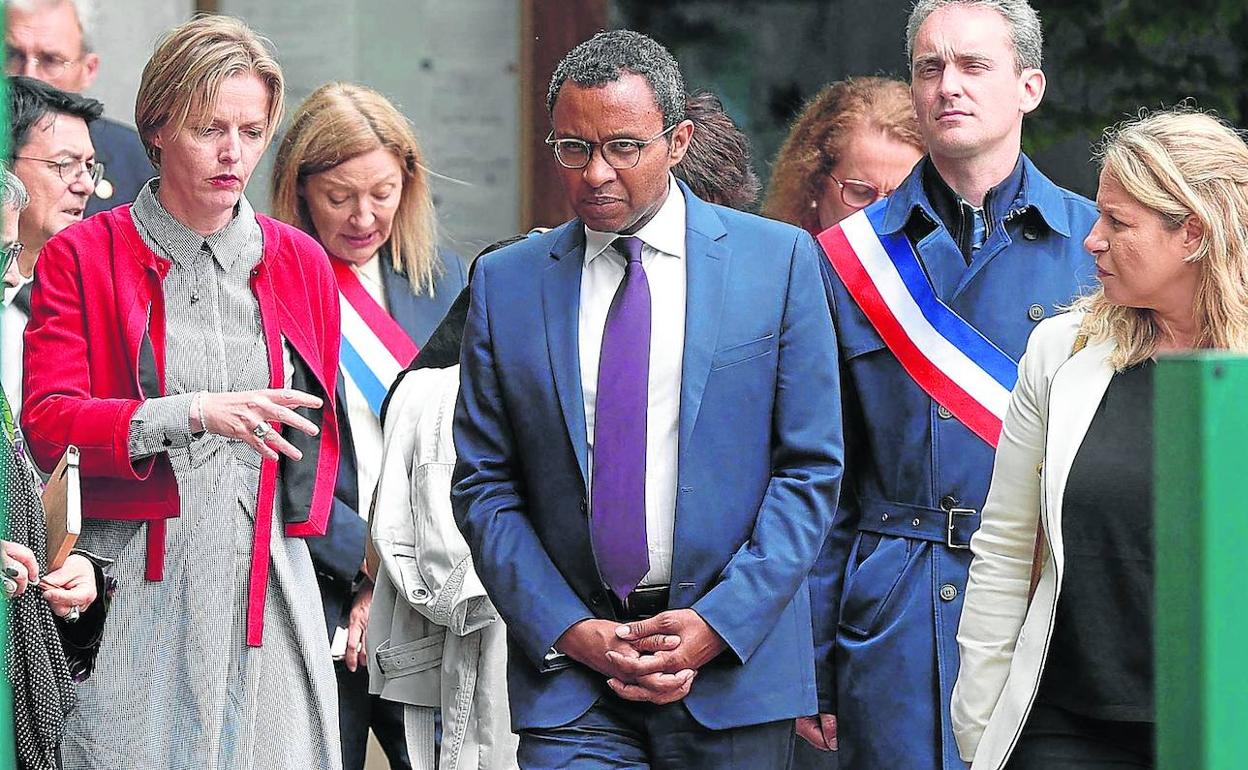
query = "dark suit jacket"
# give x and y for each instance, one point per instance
(338, 555)
(759, 462)
(126, 166)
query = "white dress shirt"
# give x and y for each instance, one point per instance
(663, 257)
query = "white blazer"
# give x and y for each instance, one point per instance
(1003, 639)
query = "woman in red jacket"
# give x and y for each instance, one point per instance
(188, 347)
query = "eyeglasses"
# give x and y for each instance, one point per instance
(10, 254)
(620, 154)
(15, 63)
(856, 193)
(71, 169)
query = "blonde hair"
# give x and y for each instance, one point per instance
(341, 121)
(183, 78)
(822, 132)
(1182, 163)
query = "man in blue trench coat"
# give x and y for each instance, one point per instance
(1000, 246)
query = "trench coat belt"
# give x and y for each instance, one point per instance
(952, 527)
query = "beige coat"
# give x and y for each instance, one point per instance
(434, 638)
(1004, 639)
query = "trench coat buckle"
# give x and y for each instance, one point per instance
(951, 523)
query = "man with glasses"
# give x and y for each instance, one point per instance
(648, 437)
(51, 40)
(53, 156)
(936, 289)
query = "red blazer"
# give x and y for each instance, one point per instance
(95, 349)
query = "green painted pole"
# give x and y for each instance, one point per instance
(1201, 503)
(8, 757)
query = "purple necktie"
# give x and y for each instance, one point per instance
(618, 517)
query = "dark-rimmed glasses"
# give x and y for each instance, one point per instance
(856, 193)
(71, 169)
(10, 254)
(48, 67)
(620, 154)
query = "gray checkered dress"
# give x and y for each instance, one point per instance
(175, 685)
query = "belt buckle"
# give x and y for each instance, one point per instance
(949, 514)
(627, 604)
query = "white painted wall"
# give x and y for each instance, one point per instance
(125, 33)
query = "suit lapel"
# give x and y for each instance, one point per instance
(707, 259)
(561, 300)
(1074, 395)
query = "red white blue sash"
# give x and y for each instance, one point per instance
(374, 347)
(951, 360)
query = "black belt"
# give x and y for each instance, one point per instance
(644, 602)
(951, 526)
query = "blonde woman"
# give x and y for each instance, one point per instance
(189, 348)
(853, 143)
(351, 174)
(1171, 258)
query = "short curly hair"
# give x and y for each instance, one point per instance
(819, 136)
(607, 56)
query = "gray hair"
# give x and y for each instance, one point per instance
(84, 9)
(606, 56)
(13, 193)
(1022, 20)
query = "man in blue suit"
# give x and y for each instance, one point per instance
(649, 445)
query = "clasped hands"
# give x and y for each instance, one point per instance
(653, 660)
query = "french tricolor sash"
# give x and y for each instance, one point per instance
(951, 360)
(374, 347)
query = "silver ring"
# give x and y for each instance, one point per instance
(10, 586)
(261, 430)
(74, 613)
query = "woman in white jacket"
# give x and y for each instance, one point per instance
(1056, 630)
(435, 640)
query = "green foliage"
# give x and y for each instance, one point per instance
(1107, 59)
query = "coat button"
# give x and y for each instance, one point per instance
(419, 594)
(948, 592)
(915, 522)
(598, 598)
(584, 506)
(1030, 232)
(943, 413)
(883, 517)
(949, 502)
(1035, 312)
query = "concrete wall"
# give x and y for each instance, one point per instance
(125, 33)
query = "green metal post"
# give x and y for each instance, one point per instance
(1201, 503)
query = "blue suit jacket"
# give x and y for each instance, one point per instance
(125, 161)
(338, 555)
(758, 471)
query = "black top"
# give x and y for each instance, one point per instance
(1100, 661)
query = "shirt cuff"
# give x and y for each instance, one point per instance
(161, 424)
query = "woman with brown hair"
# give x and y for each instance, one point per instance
(351, 174)
(852, 145)
(189, 347)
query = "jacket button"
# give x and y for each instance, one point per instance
(883, 517)
(1035, 312)
(948, 592)
(584, 506)
(915, 522)
(949, 502)
(420, 594)
(1030, 232)
(598, 598)
(943, 413)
